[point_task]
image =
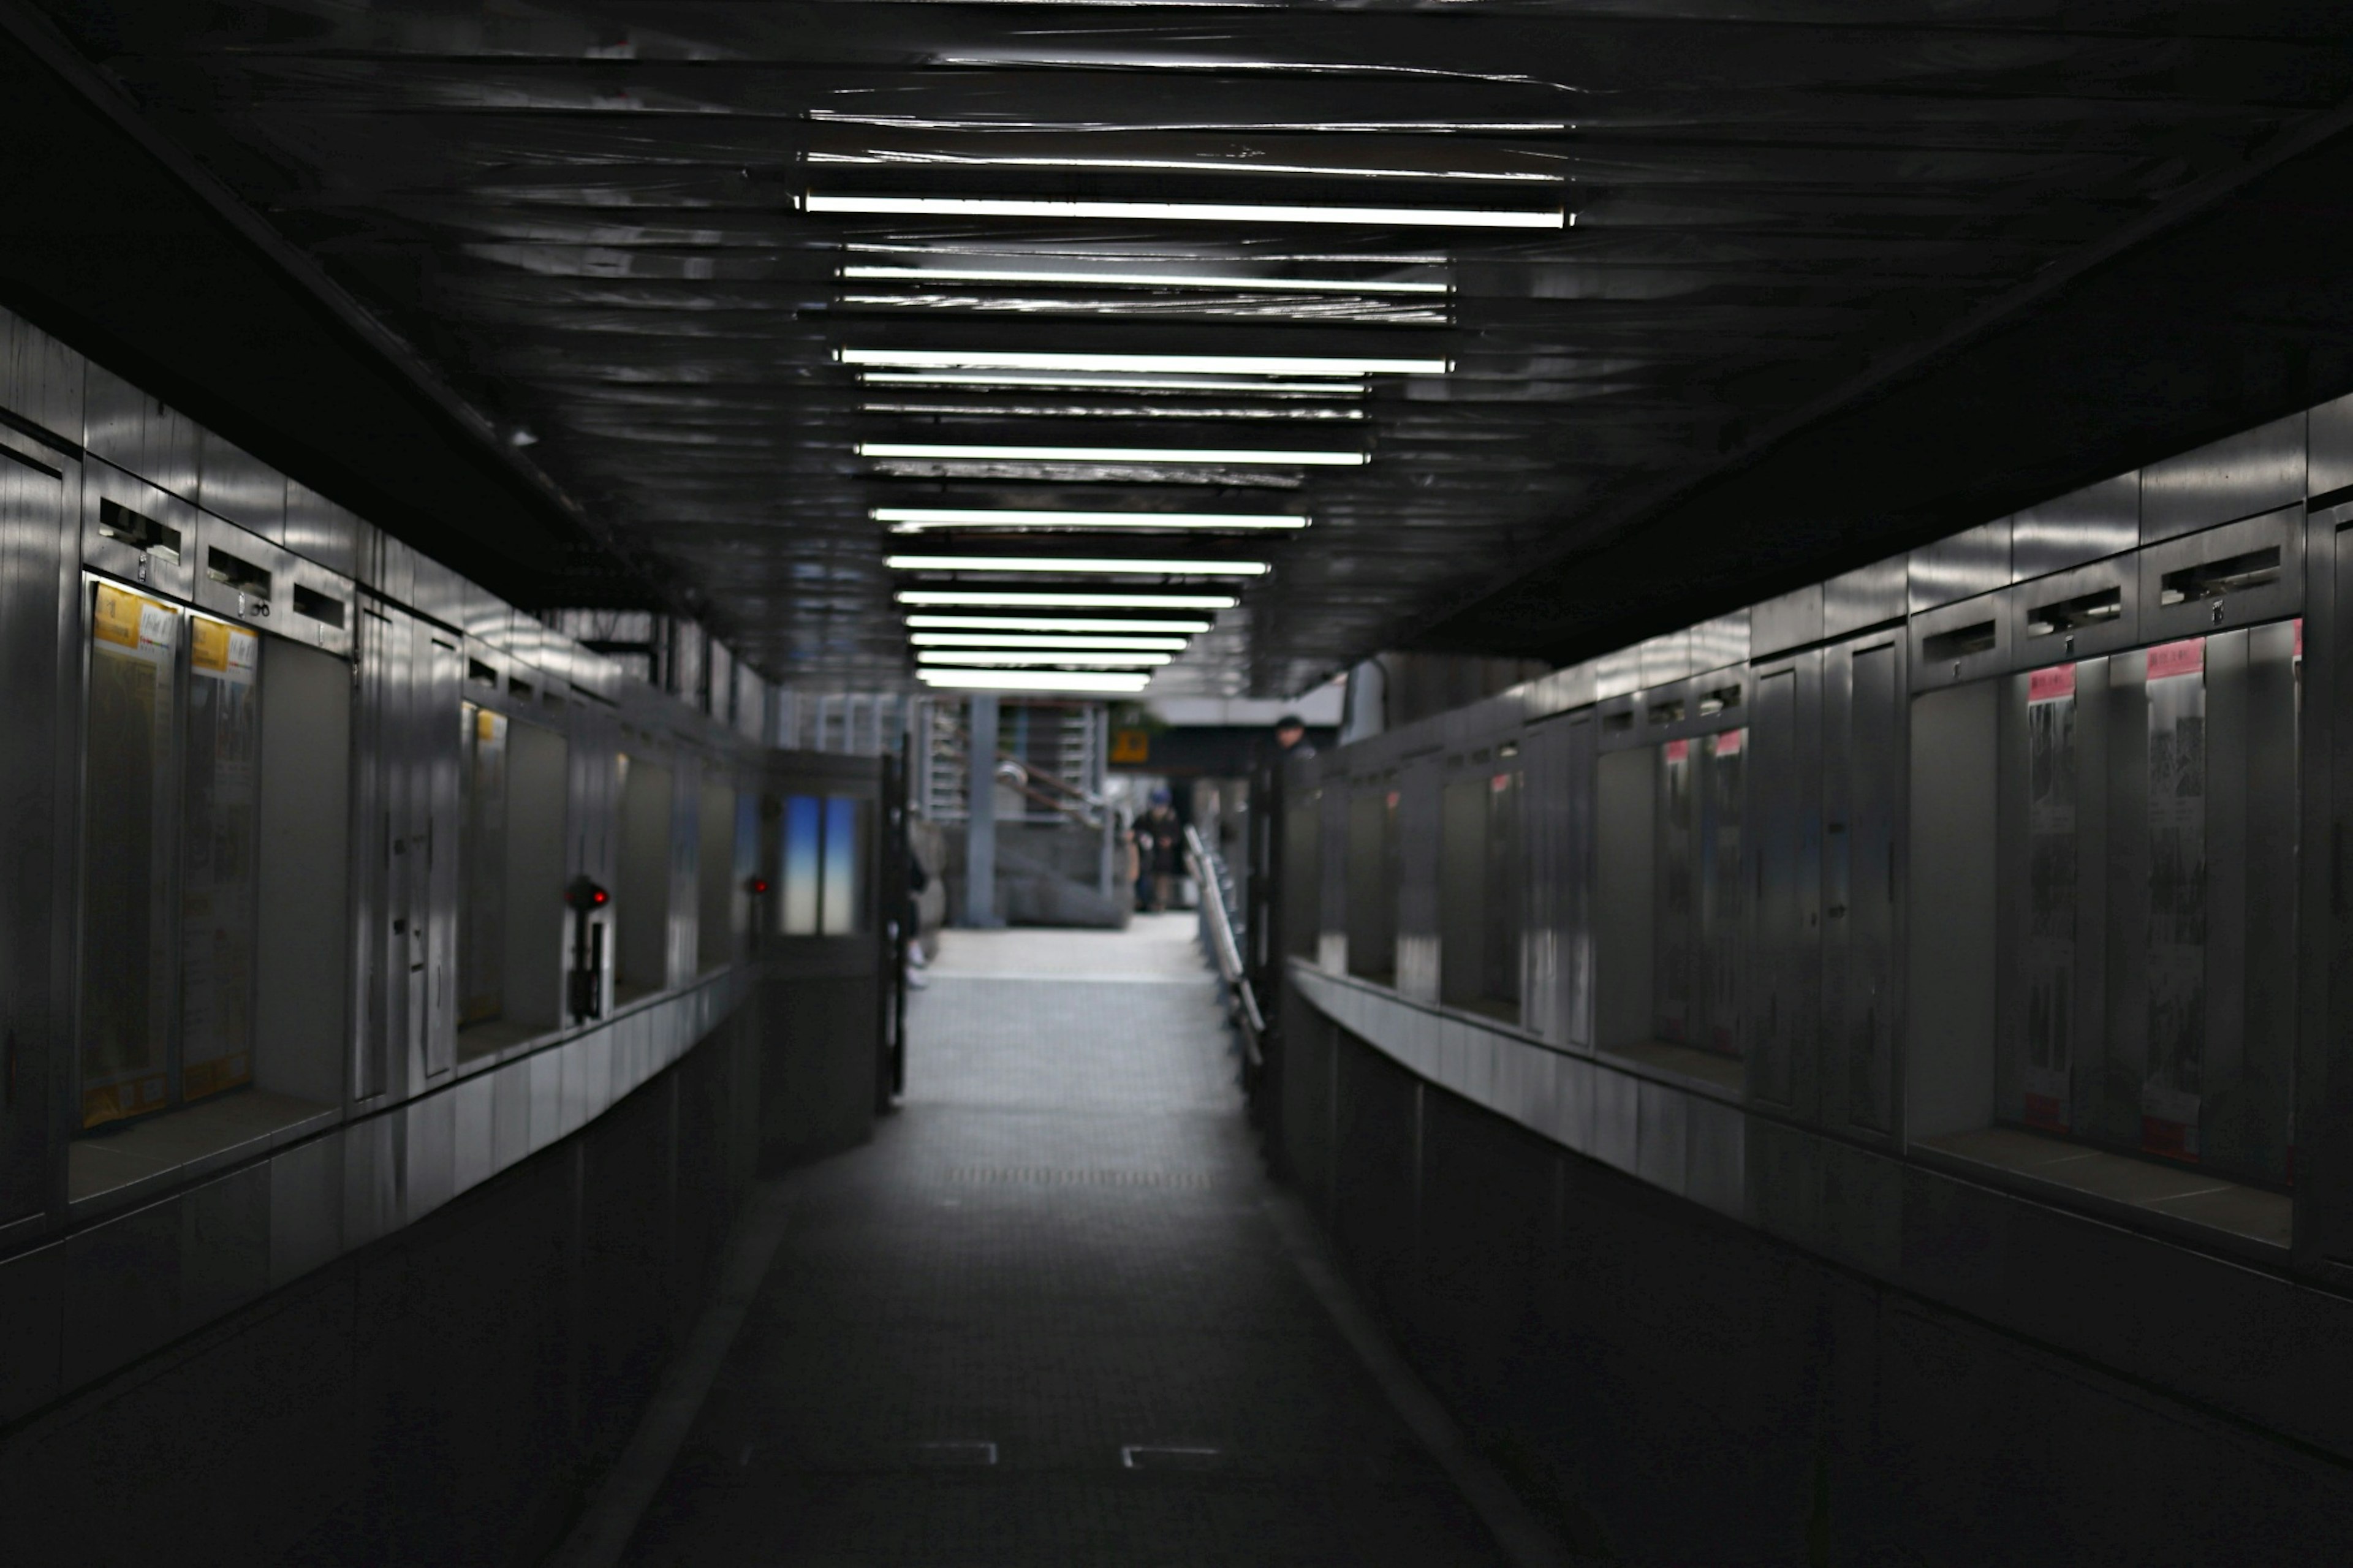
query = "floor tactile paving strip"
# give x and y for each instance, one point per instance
(1043, 1318)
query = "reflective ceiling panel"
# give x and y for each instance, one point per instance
(734, 274)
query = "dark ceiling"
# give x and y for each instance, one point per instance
(594, 222)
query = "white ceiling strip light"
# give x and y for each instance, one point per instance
(1186, 212)
(1200, 365)
(1138, 279)
(1029, 624)
(920, 519)
(1087, 563)
(1006, 600)
(986, 453)
(1099, 382)
(1034, 640)
(1031, 680)
(980, 658)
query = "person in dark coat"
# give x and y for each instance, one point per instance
(1160, 854)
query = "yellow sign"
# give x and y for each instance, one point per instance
(121, 618)
(1131, 745)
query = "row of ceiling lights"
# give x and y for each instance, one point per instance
(1040, 651)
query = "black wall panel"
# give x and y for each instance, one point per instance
(445, 1396)
(1663, 1384)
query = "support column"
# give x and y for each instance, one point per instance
(980, 815)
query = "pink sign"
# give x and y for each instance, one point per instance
(1678, 750)
(2043, 685)
(2185, 658)
(1728, 744)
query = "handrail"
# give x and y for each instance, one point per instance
(1214, 882)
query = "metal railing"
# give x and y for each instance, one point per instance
(1216, 905)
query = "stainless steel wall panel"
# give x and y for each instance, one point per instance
(2235, 575)
(442, 678)
(473, 1158)
(224, 1246)
(318, 529)
(1715, 1156)
(371, 1180)
(390, 567)
(1561, 691)
(546, 1097)
(1959, 643)
(234, 484)
(241, 576)
(2239, 476)
(169, 567)
(320, 608)
(1961, 567)
(32, 1317)
(429, 1135)
(2065, 616)
(1783, 848)
(2328, 449)
(1419, 788)
(1863, 707)
(510, 1103)
(1867, 596)
(1720, 642)
(1572, 1101)
(1661, 1148)
(1557, 984)
(40, 640)
(1665, 657)
(1618, 673)
(122, 1291)
(1617, 1119)
(1789, 621)
(2089, 524)
(41, 380)
(306, 1207)
(141, 435)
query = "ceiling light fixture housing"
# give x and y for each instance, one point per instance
(1031, 680)
(1006, 599)
(865, 205)
(1017, 657)
(1142, 364)
(1091, 564)
(923, 519)
(1036, 640)
(1240, 282)
(979, 452)
(1028, 624)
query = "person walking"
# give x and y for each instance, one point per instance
(1159, 852)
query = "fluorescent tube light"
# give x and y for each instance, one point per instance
(1184, 211)
(1100, 383)
(1034, 640)
(974, 657)
(1028, 624)
(1139, 279)
(1203, 364)
(923, 519)
(1076, 600)
(1031, 680)
(962, 159)
(982, 453)
(1087, 563)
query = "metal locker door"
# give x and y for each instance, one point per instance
(32, 502)
(1863, 760)
(392, 907)
(439, 714)
(1785, 870)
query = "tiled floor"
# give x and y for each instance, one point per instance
(1044, 1319)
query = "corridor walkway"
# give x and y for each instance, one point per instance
(1044, 1317)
